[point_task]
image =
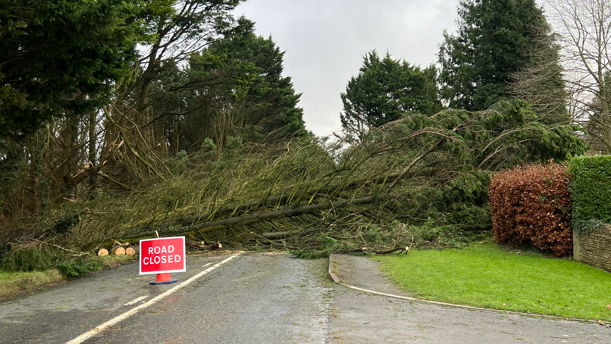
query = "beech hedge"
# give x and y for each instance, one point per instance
(532, 205)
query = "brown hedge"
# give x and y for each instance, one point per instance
(532, 204)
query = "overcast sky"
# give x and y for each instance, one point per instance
(325, 41)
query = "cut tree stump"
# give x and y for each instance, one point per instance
(130, 251)
(200, 245)
(118, 250)
(102, 252)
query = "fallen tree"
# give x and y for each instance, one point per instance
(253, 218)
(418, 170)
(425, 176)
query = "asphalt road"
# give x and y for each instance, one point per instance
(262, 298)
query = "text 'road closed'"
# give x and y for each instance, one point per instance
(162, 255)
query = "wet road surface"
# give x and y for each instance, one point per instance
(263, 298)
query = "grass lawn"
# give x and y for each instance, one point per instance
(483, 275)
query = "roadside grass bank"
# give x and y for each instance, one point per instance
(16, 283)
(484, 275)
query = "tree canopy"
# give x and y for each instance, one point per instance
(384, 90)
(586, 31)
(495, 39)
(271, 101)
(61, 57)
(233, 87)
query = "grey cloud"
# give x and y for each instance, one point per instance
(325, 40)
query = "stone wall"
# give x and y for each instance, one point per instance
(594, 247)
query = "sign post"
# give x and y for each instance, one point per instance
(162, 256)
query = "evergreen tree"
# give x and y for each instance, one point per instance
(271, 101)
(61, 57)
(233, 87)
(495, 39)
(384, 90)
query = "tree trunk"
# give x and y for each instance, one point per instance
(69, 155)
(253, 218)
(92, 146)
(606, 117)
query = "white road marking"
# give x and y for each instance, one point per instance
(135, 310)
(136, 300)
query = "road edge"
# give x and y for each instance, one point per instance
(335, 279)
(332, 276)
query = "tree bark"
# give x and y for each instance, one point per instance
(253, 218)
(282, 235)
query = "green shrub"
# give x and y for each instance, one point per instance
(5, 249)
(27, 260)
(79, 267)
(591, 191)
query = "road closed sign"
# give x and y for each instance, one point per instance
(162, 255)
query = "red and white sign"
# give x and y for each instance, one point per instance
(162, 255)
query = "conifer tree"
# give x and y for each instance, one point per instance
(384, 90)
(495, 40)
(233, 87)
(61, 57)
(271, 101)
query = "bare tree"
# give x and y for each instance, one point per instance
(585, 26)
(541, 83)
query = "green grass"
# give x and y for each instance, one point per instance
(15, 283)
(485, 276)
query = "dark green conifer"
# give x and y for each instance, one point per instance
(384, 90)
(495, 40)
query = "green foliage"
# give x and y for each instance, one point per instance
(447, 159)
(461, 200)
(28, 259)
(484, 275)
(328, 245)
(384, 90)
(51, 66)
(181, 155)
(269, 98)
(430, 234)
(590, 191)
(309, 254)
(505, 135)
(495, 39)
(233, 87)
(459, 150)
(79, 266)
(65, 224)
(5, 249)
